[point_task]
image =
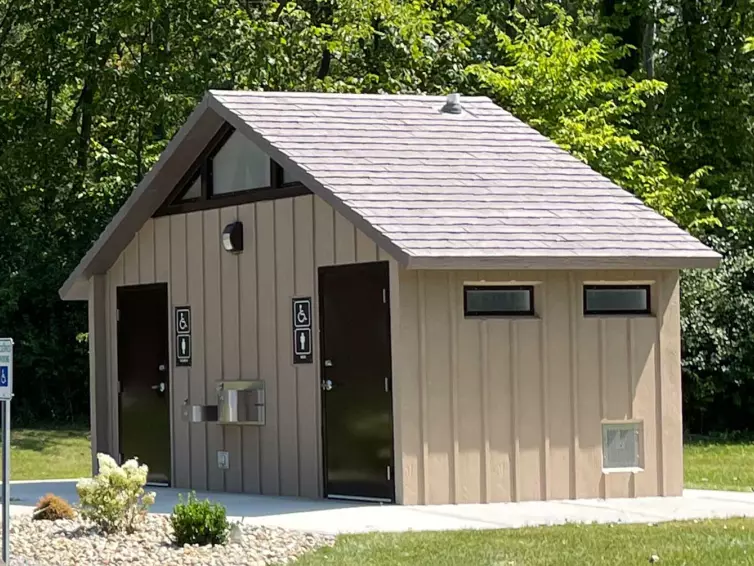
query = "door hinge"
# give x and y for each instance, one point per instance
(384, 296)
(388, 473)
(120, 387)
(387, 385)
(117, 315)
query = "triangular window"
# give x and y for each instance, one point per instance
(194, 191)
(231, 170)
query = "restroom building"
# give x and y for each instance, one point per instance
(408, 299)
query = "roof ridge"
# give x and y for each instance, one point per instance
(346, 95)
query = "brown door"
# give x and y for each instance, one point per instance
(357, 415)
(143, 371)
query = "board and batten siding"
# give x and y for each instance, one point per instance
(241, 327)
(511, 409)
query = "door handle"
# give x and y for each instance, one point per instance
(161, 367)
(159, 387)
(326, 385)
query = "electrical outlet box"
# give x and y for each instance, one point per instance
(223, 460)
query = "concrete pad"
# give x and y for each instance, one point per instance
(337, 517)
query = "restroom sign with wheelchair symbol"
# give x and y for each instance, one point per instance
(302, 330)
(302, 313)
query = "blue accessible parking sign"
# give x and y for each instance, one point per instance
(6, 369)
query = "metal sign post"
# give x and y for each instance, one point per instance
(6, 394)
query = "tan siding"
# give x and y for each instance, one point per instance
(200, 457)
(618, 379)
(589, 409)
(366, 249)
(147, 252)
(345, 240)
(500, 408)
(644, 408)
(669, 378)
(530, 459)
(131, 263)
(485, 410)
(523, 400)
(439, 430)
(267, 301)
(178, 290)
(558, 384)
(307, 386)
(241, 329)
(231, 355)
(249, 343)
(407, 393)
(213, 338)
(468, 414)
(287, 394)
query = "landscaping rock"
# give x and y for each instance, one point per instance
(74, 543)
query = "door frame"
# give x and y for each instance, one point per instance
(321, 373)
(116, 386)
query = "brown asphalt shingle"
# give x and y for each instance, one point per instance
(478, 184)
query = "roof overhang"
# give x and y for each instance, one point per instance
(708, 261)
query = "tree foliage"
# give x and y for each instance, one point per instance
(657, 95)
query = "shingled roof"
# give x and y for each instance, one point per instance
(475, 189)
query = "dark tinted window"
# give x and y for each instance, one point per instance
(498, 300)
(616, 299)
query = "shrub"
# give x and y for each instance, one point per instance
(115, 499)
(199, 522)
(52, 508)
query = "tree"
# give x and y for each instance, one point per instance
(569, 87)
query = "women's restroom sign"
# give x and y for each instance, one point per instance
(302, 330)
(183, 336)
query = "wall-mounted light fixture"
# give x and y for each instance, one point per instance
(233, 237)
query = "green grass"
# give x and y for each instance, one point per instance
(708, 464)
(718, 464)
(40, 454)
(728, 542)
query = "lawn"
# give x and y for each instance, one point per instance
(40, 454)
(708, 464)
(728, 542)
(716, 464)
(64, 453)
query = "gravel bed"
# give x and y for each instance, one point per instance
(73, 543)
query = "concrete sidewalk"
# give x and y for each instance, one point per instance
(335, 517)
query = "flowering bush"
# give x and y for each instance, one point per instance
(115, 499)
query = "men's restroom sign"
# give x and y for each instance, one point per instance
(302, 330)
(183, 336)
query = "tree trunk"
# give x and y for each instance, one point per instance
(625, 19)
(648, 49)
(85, 133)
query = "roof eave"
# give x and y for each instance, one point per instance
(702, 261)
